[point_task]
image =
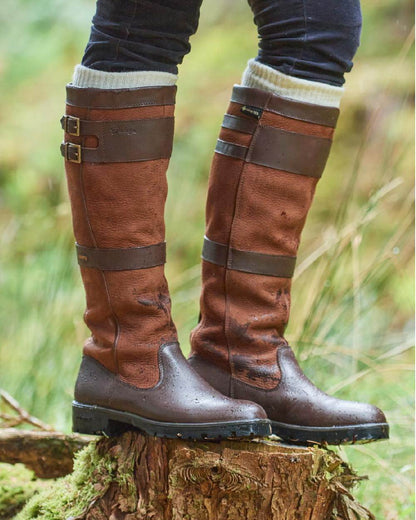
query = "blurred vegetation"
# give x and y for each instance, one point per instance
(352, 316)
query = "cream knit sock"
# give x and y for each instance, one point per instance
(264, 77)
(91, 78)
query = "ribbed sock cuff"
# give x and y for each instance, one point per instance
(91, 78)
(266, 78)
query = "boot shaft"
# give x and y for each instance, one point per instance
(117, 148)
(269, 157)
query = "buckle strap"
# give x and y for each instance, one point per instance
(123, 259)
(120, 141)
(248, 261)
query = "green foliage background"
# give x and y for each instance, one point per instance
(351, 321)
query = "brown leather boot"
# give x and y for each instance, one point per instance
(117, 148)
(270, 154)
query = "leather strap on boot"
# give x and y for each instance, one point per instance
(118, 141)
(123, 259)
(248, 261)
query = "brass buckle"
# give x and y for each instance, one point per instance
(72, 152)
(71, 125)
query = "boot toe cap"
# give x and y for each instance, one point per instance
(247, 411)
(364, 413)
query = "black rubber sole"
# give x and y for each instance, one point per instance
(356, 434)
(97, 420)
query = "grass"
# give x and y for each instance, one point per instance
(351, 323)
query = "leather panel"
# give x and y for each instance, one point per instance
(295, 125)
(271, 210)
(232, 136)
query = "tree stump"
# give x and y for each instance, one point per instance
(136, 477)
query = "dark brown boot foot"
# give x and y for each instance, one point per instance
(299, 412)
(181, 405)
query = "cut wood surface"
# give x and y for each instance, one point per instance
(136, 477)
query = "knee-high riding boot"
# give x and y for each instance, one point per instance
(117, 148)
(270, 154)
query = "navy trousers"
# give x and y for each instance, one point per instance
(310, 39)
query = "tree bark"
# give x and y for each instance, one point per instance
(135, 477)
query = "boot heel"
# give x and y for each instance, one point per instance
(89, 420)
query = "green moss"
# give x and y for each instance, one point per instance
(70, 496)
(17, 486)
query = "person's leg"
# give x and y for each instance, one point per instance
(131, 35)
(314, 40)
(118, 139)
(271, 152)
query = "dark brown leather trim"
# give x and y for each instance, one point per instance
(123, 259)
(232, 150)
(320, 115)
(119, 98)
(248, 261)
(126, 141)
(241, 124)
(214, 252)
(289, 151)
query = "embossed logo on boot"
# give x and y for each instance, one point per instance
(123, 131)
